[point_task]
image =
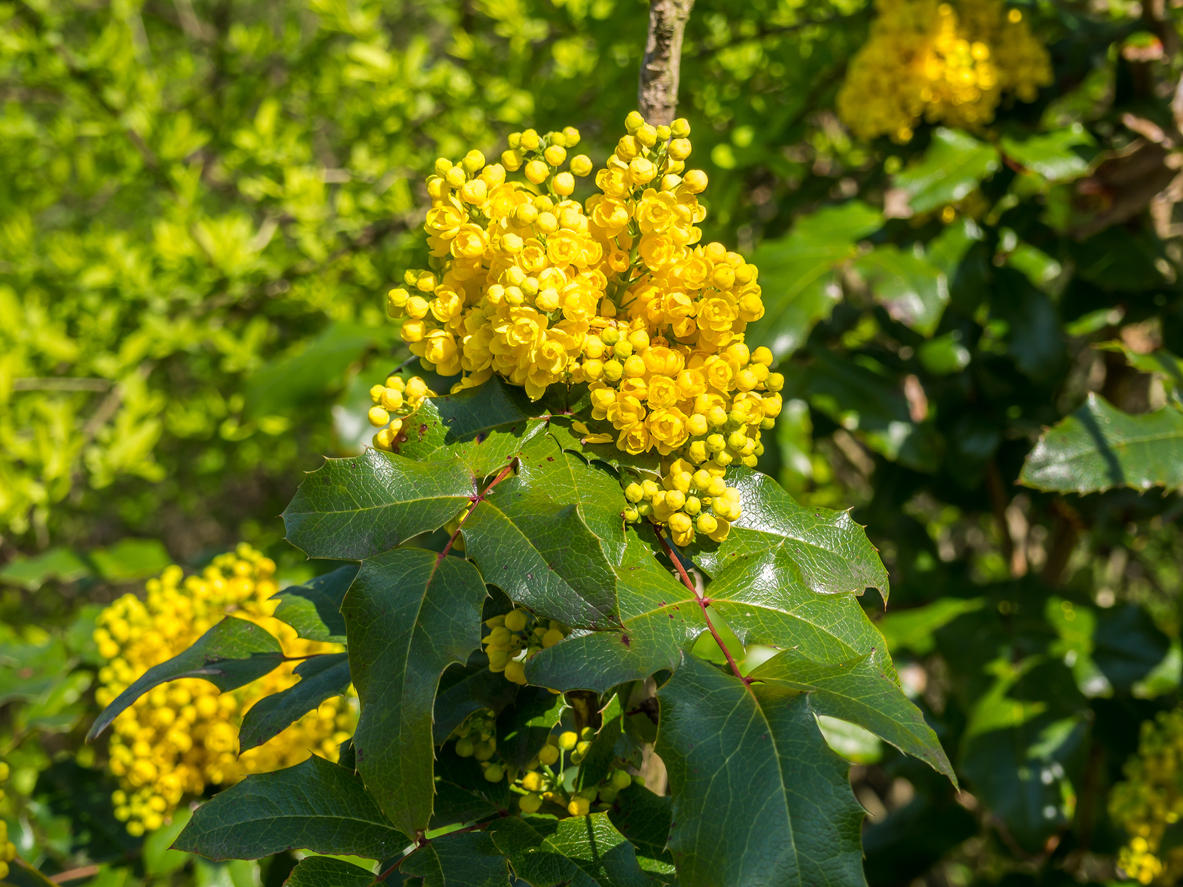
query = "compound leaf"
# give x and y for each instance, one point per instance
(409, 614)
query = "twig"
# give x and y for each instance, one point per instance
(475, 500)
(657, 93)
(703, 603)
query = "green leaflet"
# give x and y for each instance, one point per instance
(354, 508)
(761, 597)
(580, 851)
(315, 805)
(759, 799)
(232, 653)
(1099, 447)
(314, 608)
(409, 614)
(324, 871)
(320, 677)
(549, 536)
(830, 553)
(859, 692)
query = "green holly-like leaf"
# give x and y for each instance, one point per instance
(1099, 447)
(465, 859)
(759, 799)
(859, 692)
(484, 428)
(320, 678)
(830, 552)
(953, 166)
(799, 273)
(410, 614)
(580, 851)
(314, 608)
(315, 805)
(762, 598)
(912, 289)
(325, 871)
(232, 653)
(354, 508)
(550, 535)
(1057, 156)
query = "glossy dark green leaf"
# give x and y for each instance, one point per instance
(232, 653)
(1099, 447)
(410, 614)
(325, 871)
(321, 677)
(912, 289)
(953, 166)
(315, 805)
(1057, 156)
(354, 508)
(549, 536)
(762, 597)
(859, 692)
(580, 851)
(797, 273)
(758, 796)
(831, 552)
(483, 427)
(314, 608)
(465, 859)
(1022, 749)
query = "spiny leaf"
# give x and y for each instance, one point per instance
(549, 536)
(830, 552)
(314, 806)
(464, 859)
(232, 653)
(320, 677)
(580, 851)
(759, 799)
(763, 599)
(354, 508)
(325, 871)
(410, 614)
(1099, 447)
(314, 608)
(860, 692)
(953, 166)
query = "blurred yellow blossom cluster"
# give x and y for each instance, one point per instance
(616, 292)
(181, 737)
(1150, 801)
(7, 849)
(941, 62)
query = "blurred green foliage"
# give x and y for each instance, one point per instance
(203, 201)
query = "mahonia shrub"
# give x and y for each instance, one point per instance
(177, 740)
(1149, 802)
(940, 62)
(590, 642)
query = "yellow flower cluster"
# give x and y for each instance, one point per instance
(542, 780)
(1150, 801)
(181, 737)
(615, 292)
(7, 849)
(515, 637)
(942, 62)
(393, 403)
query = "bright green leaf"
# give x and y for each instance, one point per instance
(953, 166)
